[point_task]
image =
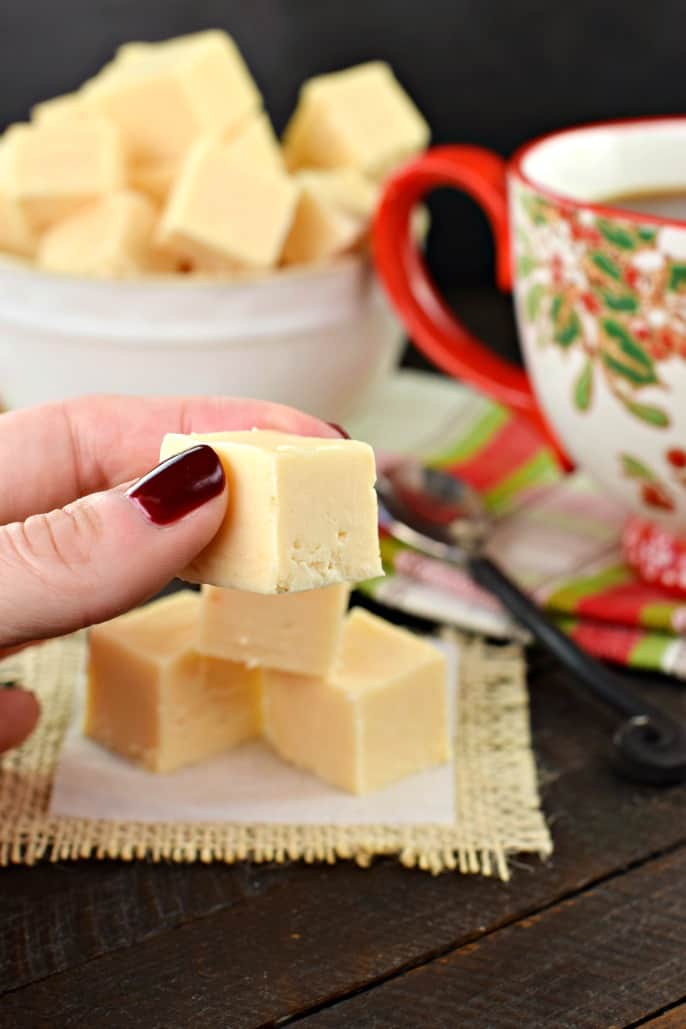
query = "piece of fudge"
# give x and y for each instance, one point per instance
(108, 238)
(135, 50)
(301, 512)
(360, 117)
(58, 108)
(228, 208)
(166, 95)
(329, 218)
(154, 178)
(255, 142)
(16, 232)
(53, 169)
(381, 713)
(346, 189)
(296, 632)
(154, 700)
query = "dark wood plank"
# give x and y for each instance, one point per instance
(327, 931)
(603, 959)
(53, 916)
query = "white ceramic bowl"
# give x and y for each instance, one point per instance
(319, 338)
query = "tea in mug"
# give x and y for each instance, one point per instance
(668, 203)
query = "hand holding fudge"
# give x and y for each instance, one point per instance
(268, 650)
(80, 542)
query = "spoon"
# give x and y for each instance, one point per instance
(441, 516)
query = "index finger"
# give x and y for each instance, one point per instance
(55, 453)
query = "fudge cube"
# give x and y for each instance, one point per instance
(255, 143)
(153, 699)
(296, 632)
(227, 208)
(109, 238)
(163, 261)
(135, 50)
(16, 233)
(346, 189)
(326, 222)
(381, 714)
(154, 178)
(301, 512)
(165, 95)
(360, 117)
(58, 108)
(53, 169)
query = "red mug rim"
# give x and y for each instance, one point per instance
(515, 165)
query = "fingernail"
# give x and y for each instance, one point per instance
(179, 485)
(339, 429)
(10, 684)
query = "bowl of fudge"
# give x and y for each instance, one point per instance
(156, 236)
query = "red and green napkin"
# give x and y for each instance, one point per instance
(558, 535)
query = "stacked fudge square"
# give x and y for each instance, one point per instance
(165, 162)
(268, 648)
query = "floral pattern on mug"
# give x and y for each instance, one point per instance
(655, 490)
(611, 287)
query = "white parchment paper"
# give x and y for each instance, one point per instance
(248, 785)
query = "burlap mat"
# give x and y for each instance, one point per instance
(498, 810)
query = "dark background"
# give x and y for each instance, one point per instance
(492, 72)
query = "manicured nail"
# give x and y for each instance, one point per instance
(339, 429)
(10, 684)
(179, 485)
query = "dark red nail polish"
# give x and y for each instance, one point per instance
(179, 485)
(339, 429)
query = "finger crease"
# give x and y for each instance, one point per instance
(80, 459)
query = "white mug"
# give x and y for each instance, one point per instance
(600, 294)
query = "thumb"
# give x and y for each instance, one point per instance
(103, 554)
(19, 712)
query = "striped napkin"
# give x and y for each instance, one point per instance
(558, 535)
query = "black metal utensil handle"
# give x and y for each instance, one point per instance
(650, 745)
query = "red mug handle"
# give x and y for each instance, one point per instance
(403, 272)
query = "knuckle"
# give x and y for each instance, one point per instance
(63, 538)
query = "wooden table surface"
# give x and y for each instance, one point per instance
(596, 937)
